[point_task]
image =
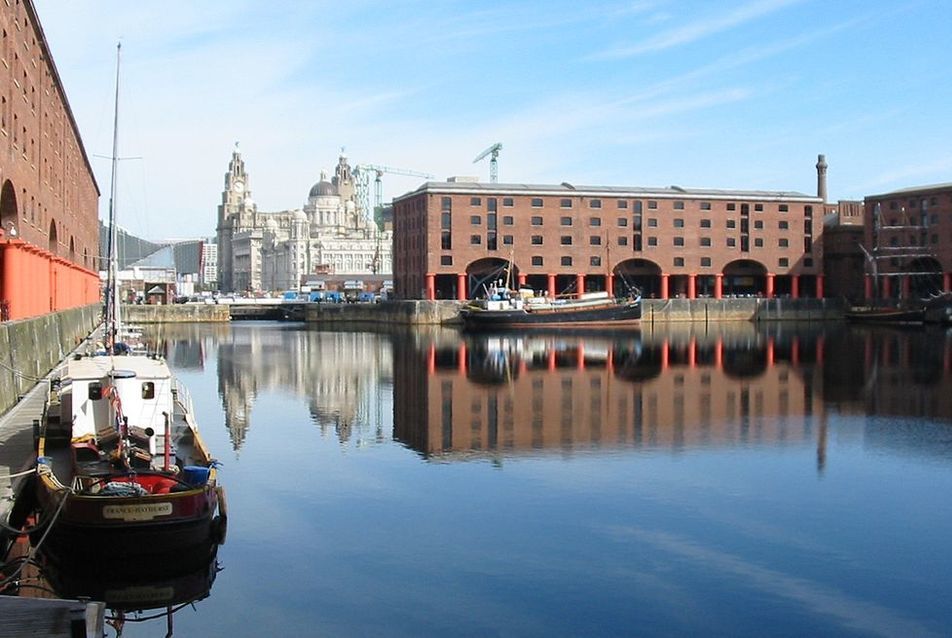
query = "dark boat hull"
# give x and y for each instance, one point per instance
(621, 315)
(886, 315)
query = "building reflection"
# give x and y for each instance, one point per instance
(344, 376)
(678, 387)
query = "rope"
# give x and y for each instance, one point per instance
(30, 557)
(22, 375)
(5, 477)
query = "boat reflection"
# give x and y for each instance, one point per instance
(134, 590)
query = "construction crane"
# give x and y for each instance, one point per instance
(362, 176)
(494, 152)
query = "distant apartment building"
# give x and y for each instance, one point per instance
(452, 238)
(49, 242)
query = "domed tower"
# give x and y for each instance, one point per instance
(322, 203)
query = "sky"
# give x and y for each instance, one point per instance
(733, 94)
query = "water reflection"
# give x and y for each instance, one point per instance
(148, 588)
(671, 387)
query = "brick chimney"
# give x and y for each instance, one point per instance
(821, 167)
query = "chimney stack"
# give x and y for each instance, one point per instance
(821, 177)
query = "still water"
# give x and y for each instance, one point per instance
(739, 480)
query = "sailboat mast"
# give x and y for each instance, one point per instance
(112, 292)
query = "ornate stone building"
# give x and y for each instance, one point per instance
(331, 236)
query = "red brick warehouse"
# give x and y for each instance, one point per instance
(49, 229)
(450, 238)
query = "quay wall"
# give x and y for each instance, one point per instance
(418, 312)
(409, 313)
(175, 313)
(30, 348)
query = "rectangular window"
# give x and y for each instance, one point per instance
(758, 224)
(758, 208)
(446, 220)
(536, 221)
(446, 203)
(622, 222)
(595, 221)
(594, 260)
(731, 242)
(491, 241)
(565, 221)
(148, 390)
(636, 245)
(595, 240)
(652, 241)
(537, 202)
(679, 261)
(758, 242)
(679, 241)
(475, 220)
(808, 244)
(537, 240)
(783, 243)
(636, 222)
(475, 240)
(507, 240)
(636, 207)
(446, 240)
(537, 260)
(705, 223)
(705, 205)
(622, 204)
(745, 244)
(566, 261)
(783, 208)
(565, 203)
(808, 262)
(446, 260)
(623, 240)
(652, 205)
(678, 223)
(652, 222)
(783, 225)
(808, 211)
(678, 205)
(507, 202)
(507, 220)
(783, 262)
(594, 203)
(705, 241)
(565, 240)
(731, 206)
(475, 201)
(705, 262)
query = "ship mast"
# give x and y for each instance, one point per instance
(112, 319)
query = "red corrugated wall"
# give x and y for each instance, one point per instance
(35, 282)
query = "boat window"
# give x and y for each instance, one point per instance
(148, 390)
(95, 391)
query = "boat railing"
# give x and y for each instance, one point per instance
(182, 395)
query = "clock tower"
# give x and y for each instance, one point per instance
(233, 216)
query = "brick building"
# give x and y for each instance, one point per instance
(49, 241)
(450, 238)
(908, 236)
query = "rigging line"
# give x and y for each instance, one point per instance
(22, 375)
(32, 555)
(4, 477)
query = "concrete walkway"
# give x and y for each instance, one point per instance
(16, 441)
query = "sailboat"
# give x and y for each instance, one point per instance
(120, 461)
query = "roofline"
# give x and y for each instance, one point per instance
(58, 82)
(914, 189)
(604, 191)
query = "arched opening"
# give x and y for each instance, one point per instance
(72, 250)
(637, 276)
(53, 239)
(925, 278)
(483, 272)
(745, 278)
(8, 210)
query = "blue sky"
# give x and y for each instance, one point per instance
(723, 94)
